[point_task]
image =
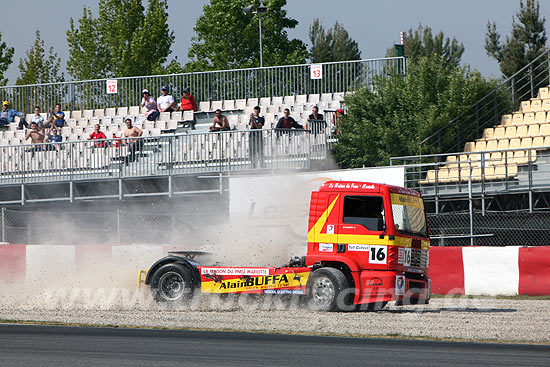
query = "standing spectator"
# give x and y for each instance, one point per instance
(188, 103)
(98, 135)
(316, 121)
(37, 118)
(221, 120)
(57, 117)
(7, 116)
(165, 101)
(54, 137)
(134, 145)
(152, 112)
(256, 141)
(287, 121)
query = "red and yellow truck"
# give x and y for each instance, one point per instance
(367, 244)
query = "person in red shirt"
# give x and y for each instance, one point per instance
(97, 135)
(188, 103)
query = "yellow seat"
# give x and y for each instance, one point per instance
(503, 144)
(481, 146)
(521, 131)
(492, 144)
(451, 158)
(538, 142)
(526, 143)
(520, 157)
(536, 105)
(506, 120)
(453, 175)
(529, 118)
(515, 143)
(546, 104)
(510, 132)
(533, 130)
(499, 132)
(488, 133)
(517, 118)
(469, 146)
(442, 175)
(430, 178)
(546, 142)
(489, 173)
(544, 93)
(496, 159)
(544, 129)
(540, 117)
(476, 174)
(525, 106)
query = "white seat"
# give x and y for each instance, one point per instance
(229, 104)
(252, 102)
(204, 106)
(110, 112)
(301, 98)
(216, 105)
(88, 114)
(313, 98)
(176, 115)
(134, 110)
(161, 124)
(172, 124)
(122, 111)
(188, 115)
(75, 115)
(165, 116)
(326, 97)
(288, 100)
(240, 104)
(265, 101)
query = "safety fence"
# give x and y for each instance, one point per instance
(165, 155)
(205, 86)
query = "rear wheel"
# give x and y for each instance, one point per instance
(328, 290)
(171, 283)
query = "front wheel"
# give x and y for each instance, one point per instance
(328, 290)
(171, 283)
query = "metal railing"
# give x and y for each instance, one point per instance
(487, 112)
(164, 155)
(205, 86)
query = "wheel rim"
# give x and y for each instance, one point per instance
(323, 291)
(171, 285)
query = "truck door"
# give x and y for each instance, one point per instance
(361, 226)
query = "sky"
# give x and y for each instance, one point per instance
(375, 25)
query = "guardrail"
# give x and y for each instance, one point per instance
(205, 86)
(163, 155)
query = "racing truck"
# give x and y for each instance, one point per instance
(367, 244)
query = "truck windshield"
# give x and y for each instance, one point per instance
(408, 214)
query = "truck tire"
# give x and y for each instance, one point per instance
(171, 283)
(326, 290)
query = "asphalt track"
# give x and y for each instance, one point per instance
(37, 345)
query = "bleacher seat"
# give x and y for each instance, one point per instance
(204, 106)
(216, 105)
(134, 110)
(229, 105)
(75, 115)
(122, 112)
(252, 102)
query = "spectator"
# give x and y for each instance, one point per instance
(316, 121)
(54, 137)
(221, 120)
(7, 116)
(57, 117)
(188, 104)
(287, 122)
(256, 141)
(36, 138)
(37, 118)
(98, 135)
(134, 145)
(165, 101)
(150, 105)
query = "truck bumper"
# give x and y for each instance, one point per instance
(383, 286)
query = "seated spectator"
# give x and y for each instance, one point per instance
(134, 145)
(57, 117)
(188, 103)
(316, 121)
(54, 137)
(36, 138)
(150, 105)
(37, 118)
(287, 122)
(221, 120)
(165, 101)
(98, 135)
(7, 116)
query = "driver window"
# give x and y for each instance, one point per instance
(367, 211)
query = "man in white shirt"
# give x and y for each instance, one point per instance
(165, 101)
(37, 118)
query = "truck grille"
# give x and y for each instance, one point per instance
(419, 258)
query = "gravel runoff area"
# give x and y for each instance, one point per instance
(482, 319)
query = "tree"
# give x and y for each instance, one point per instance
(126, 39)
(37, 67)
(526, 42)
(227, 38)
(6, 56)
(422, 42)
(401, 111)
(335, 44)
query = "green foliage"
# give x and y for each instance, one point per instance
(126, 39)
(227, 38)
(6, 57)
(401, 111)
(334, 44)
(422, 42)
(38, 68)
(526, 42)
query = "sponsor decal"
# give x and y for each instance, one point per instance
(408, 200)
(259, 283)
(358, 247)
(330, 229)
(234, 271)
(350, 185)
(378, 254)
(399, 285)
(404, 256)
(284, 291)
(375, 282)
(326, 247)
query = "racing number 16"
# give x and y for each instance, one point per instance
(377, 254)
